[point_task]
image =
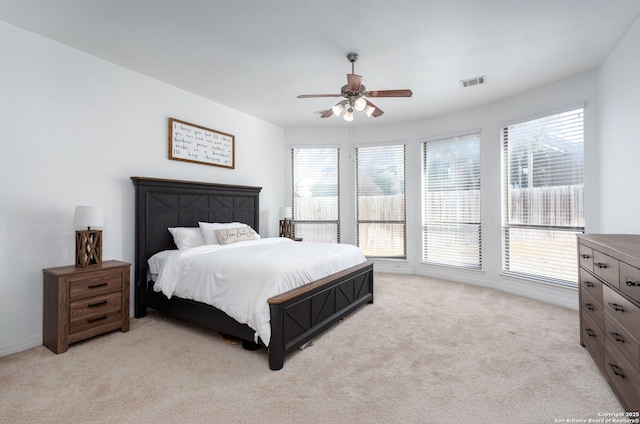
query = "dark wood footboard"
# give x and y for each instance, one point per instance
(301, 314)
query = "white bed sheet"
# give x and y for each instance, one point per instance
(239, 278)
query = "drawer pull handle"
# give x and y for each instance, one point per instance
(616, 370)
(590, 332)
(95, 286)
(601, 265)
(589, 306)
(93, 305)
(589, 284)
(633, 283)
(616, 336)
(585, 256)
(100, 318)
(616, 307)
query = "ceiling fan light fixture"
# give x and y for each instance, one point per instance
(369, 111)
(360, 104)
(337, 109)
(348, 115)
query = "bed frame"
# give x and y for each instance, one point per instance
(297, 316)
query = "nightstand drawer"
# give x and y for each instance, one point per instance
(99, 284)
(86, 322)
(95, 305)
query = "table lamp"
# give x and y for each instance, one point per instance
(285, 221)
(88, 242)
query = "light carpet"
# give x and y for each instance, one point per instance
(427, 351)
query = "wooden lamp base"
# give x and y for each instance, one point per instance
(285, 228)
(88, 248)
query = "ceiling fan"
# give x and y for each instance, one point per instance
(355, 94)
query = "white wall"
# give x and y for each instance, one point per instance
(74, 129)
(488, 120)
(619, 95)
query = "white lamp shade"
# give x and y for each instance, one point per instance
(89, 216)
(337, 109)
(348, 116)
(286, 212)
(369, 110)
(360, 104)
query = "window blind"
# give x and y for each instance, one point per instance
(543, 210)
(316, 195)
(451, 232)
(380, 193)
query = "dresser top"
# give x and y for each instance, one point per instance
(72, 269)
(625, 247)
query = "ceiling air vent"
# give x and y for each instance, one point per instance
(473, 81)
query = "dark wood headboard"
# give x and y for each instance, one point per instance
(161, 204)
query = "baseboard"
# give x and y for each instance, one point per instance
(24, 345)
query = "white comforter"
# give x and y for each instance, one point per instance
(239, 278)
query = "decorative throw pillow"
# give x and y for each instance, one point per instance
(234, 235)
(208, 229)
(186, 237)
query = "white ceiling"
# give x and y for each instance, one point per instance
(256, 56)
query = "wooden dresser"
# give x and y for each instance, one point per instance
(610, 310)
(83, 302)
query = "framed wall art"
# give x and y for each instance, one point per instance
(193, 143)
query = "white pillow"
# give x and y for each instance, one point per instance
(186, 237)
(209, 228)
(234, 235)
(156, 262)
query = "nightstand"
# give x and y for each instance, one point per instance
(83, 302)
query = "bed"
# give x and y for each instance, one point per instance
(296, 316)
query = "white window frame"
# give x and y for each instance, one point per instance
(387, 221)
(548, 236)
(303, 222)
(458, 219)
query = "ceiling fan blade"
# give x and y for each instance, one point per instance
(377, 111)
(389, 93)
(327, 114)
(309, 96)
(353, 82)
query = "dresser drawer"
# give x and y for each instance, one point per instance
(623, 311)
(591, 285)
(606, 267)
(99, 283)
(593, 339)
(592, 309)
(585, 257)
(622, 340)
(624, 378)
(630, 281)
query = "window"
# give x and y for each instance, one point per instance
(451, 202)
(543, 210)
(380, 197)
(316, 196)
